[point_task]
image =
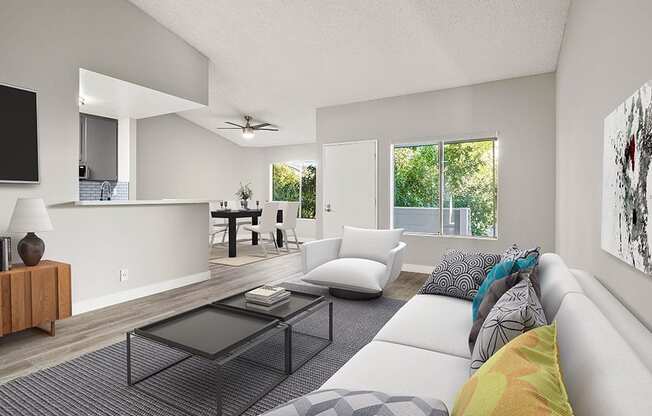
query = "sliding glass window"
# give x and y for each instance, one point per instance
(446, 188)
(296, 181)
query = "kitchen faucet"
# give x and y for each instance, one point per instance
(105, 185)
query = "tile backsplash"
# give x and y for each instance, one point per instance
(90, 190)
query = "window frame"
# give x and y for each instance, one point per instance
(440, 143)
(303, 164)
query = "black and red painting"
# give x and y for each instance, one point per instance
(626, 228)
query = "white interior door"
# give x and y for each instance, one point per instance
(349, 172)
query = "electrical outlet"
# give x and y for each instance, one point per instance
(124, 275)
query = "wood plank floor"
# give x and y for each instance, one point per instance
(32, 350)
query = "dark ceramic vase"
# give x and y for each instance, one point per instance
(31, 249)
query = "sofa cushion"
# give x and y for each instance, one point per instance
(516, 312)
(556, 282)
(369, 244)
(603, 374)
(459, 274)
(435, 323)
(360, 275)
(523, 378)
(402, 370)
(340, 402)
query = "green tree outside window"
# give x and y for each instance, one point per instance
(296, 181)
(468, 176)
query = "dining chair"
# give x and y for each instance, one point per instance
(214, 226)
(235, 205)
(290, 215)
(266, 225)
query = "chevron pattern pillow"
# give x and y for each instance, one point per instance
(359, 403)
(459, 274)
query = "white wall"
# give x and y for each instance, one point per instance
(605, 57)
(522, 110)
(43, 44)
(124, 148)
(133, 159)
(306, 229)
(157, 244)
(179, 159)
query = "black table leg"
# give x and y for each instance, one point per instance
(330, 321)
(254, 235)
(279, 233)
(233, 236)
(219, 391)
(129, 359)
(288, 350)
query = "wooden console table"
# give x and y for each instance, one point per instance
(34, 296)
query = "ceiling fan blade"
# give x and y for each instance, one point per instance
(257, 126)
(266, 129)
(229, 128)
(234, 124)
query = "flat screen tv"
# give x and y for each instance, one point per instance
(18, 135)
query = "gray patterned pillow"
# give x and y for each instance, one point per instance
(459, 274)
(515, 253)
(516, 312)
(359, 403)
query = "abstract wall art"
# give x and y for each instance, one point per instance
(626, 202)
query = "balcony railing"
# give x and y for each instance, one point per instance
(457, 221)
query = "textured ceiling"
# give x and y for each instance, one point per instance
(280, 60)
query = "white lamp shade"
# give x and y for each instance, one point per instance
(30, 215)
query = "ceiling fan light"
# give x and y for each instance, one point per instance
(247, 133)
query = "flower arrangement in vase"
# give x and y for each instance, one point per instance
(244, 193)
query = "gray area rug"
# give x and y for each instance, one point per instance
(95, 384)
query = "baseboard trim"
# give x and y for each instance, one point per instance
(138, 292)
(417, 268)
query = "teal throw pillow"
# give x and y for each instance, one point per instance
(526, 263)
(500, 271)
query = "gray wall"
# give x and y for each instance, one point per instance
(522, 110)
(43, 44)
(605, 57)
(178, 159)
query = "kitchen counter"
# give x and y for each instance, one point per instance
(139, 202)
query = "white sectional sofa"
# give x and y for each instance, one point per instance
(605, 352)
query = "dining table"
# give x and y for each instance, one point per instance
(232, 216)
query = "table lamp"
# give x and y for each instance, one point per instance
(30, 215)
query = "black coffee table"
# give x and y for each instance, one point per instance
(220, 335)
(302, 345)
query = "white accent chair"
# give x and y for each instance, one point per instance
(266, 225)
(357, 265)
(290, 214)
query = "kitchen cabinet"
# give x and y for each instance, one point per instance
(98, 146)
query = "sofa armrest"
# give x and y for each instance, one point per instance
(316, 253)
(395, 262)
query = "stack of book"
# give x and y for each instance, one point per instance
(267, 297)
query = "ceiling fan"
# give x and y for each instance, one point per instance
(248, 131)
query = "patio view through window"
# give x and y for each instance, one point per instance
(296, 181)
(464, 185)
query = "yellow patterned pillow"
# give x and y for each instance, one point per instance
(522, 378)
